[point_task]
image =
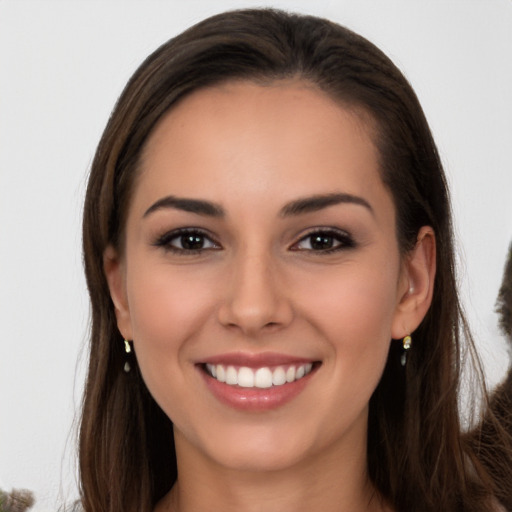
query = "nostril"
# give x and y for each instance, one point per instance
(252, 309)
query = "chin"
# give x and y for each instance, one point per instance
(260, 449)
(258, 459)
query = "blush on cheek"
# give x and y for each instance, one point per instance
(355, 302)
(166, 315)
(165, 303)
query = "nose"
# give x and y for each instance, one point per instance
(255, 299)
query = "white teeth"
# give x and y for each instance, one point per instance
(290, 374)
(212, 369)
(263, 378)
(221, 373)
(278, 376)
(260, 378)
(245, 377)
(231, 376)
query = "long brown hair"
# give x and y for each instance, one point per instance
(418, 458)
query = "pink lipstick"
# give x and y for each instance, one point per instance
(256, 382)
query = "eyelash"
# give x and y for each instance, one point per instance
(165, 241)
(343, 239)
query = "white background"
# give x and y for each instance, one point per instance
(62, 66)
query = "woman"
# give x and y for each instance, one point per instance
(275, 321)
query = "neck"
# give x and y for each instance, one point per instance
(272, 493)
(332, 481)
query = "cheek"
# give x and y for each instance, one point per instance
(166, 310)
(164, 299)
(353, 310)
(356, 299)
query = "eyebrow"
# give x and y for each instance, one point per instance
(297, 207)
(198, 206)
(319, 202)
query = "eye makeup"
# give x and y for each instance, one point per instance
(184, 241)
(324, 241)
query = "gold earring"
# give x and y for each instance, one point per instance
(127, 349)
(406, 343)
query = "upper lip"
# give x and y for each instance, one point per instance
(252, 360)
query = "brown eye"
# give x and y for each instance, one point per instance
(190, 242)
(185, 241)
(324, 241)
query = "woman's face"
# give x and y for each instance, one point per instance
(260, 246)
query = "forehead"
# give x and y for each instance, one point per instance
(284, 139)
(230, 106)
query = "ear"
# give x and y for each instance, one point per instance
(416, 286)
(115, 273)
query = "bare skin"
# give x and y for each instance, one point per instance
(229, 250)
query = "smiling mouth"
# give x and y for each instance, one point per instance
(263, 378)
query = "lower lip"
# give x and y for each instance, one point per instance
(256, 399)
